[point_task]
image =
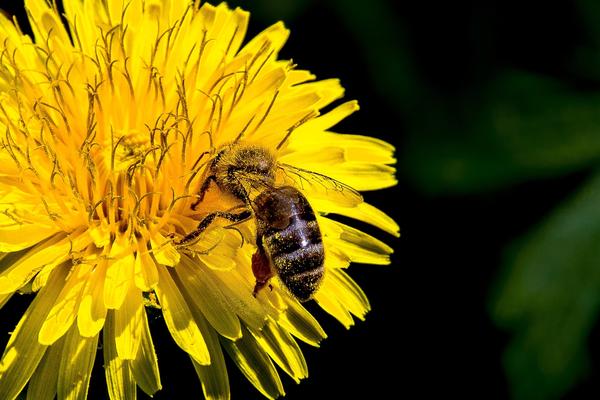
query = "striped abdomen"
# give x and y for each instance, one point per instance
(290, 235)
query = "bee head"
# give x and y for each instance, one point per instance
(254, 161)
(237, 165)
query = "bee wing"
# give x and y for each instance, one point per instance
(320, 185)
(251, 182)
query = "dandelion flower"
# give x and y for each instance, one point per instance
(109, 117)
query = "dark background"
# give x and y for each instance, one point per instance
(421, 73)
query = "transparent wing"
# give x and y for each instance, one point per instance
(252, 182)
(319, 185)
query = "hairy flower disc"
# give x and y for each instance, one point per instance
(108, 124)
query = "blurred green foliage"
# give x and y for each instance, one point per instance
(513, 127)
(550, 296)
(518, 127)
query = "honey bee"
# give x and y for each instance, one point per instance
(288, 239)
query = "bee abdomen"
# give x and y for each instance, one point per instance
(298, 235)
(301, 270)
(304, 284)
(290, 234)
(300, 260)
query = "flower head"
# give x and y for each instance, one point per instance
(110, 127)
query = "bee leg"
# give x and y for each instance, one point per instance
(261, 268)
(205, 223)
(202, 192)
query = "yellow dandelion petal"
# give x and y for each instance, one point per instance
(63, 313)
(145, 365)
(153, 158)
(300, 323)
(334, 307)
(42, 385)
(46, 22)
(92, 310)
(40, 279)
(4, 298)
(75, 371)
(255, 364)
(283, 349)
(8, 28)
(119, 378)
(119, 273)
(328, 120)
(205, 294)
(128, 324)
(213, 377)
(246, 306)
(339, 287)
(365, 176)
(17, 235)
(15, 371)
(50, 252)
(145, 272)
(357, 246)
(358, 161)
(164, 252)
(219, 249)
(178, 318)
(214, 260)
(363, 212)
